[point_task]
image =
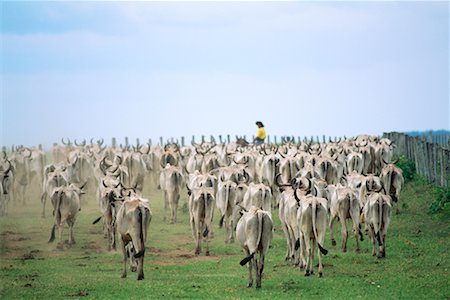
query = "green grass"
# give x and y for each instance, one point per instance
(416, 266)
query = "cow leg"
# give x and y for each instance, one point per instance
(373, 238)
(71, 238)
(198, 248)
(124, 261)
(177, 200)
(344, 231)
(286, 234)
(308, 254)
(256, 266)
(319, 255)
(166, 205)
(333, 240)
(259, 271)
(250, 269)
(231, 230)
(356, 229)
(43, 200)
(383, 252)
(140, 267)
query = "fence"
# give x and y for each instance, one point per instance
(431, 155)
(183, 141)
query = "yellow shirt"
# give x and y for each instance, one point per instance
(261, 134)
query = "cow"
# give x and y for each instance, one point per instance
(133, 220)
(344, 204)
(21, 164)
(5, 186)
(55, 176)
(110, 198)
(254, 233)
(66, 205)
(312, 223)
(201, 209)
(171, 181)
(392, 178)
(259, 195)
(226, 202)
(377, 216)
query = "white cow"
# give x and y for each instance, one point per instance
(254, 233)
(133, 219)
(377, 216)
(66, 205)
(201, 209)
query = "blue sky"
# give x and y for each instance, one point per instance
(171, 69)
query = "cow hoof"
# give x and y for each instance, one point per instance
(344, 250)
(320, 274)
(250, 284)
(258, 286)
(197, 252)
(207, 253)
(333, 242)
(307, 274)
(140, 277)
(124, 276)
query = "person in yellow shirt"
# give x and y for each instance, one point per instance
(261, 134)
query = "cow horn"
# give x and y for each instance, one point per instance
(68, 142)
(4, 154)
(83, 185)
(9, 167)
(296, 197)
(162, 160)
(103, 182)
(277, 182)
(76, 144)
(148, 149)
(29, 151)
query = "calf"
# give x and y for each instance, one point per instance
(254, 233)
(201, 209)
(133, 219)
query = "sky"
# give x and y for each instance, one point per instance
(83, 70)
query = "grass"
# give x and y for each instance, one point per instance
(416, 266)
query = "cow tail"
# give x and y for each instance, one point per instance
(141, 234)
(387, 182)
(380, 219)
(57, 208)
(227, 197)
(352, 201)
(314, 212)
(206, 231)
(260, 229)
(57, 217)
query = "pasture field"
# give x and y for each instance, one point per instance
(416, 265)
